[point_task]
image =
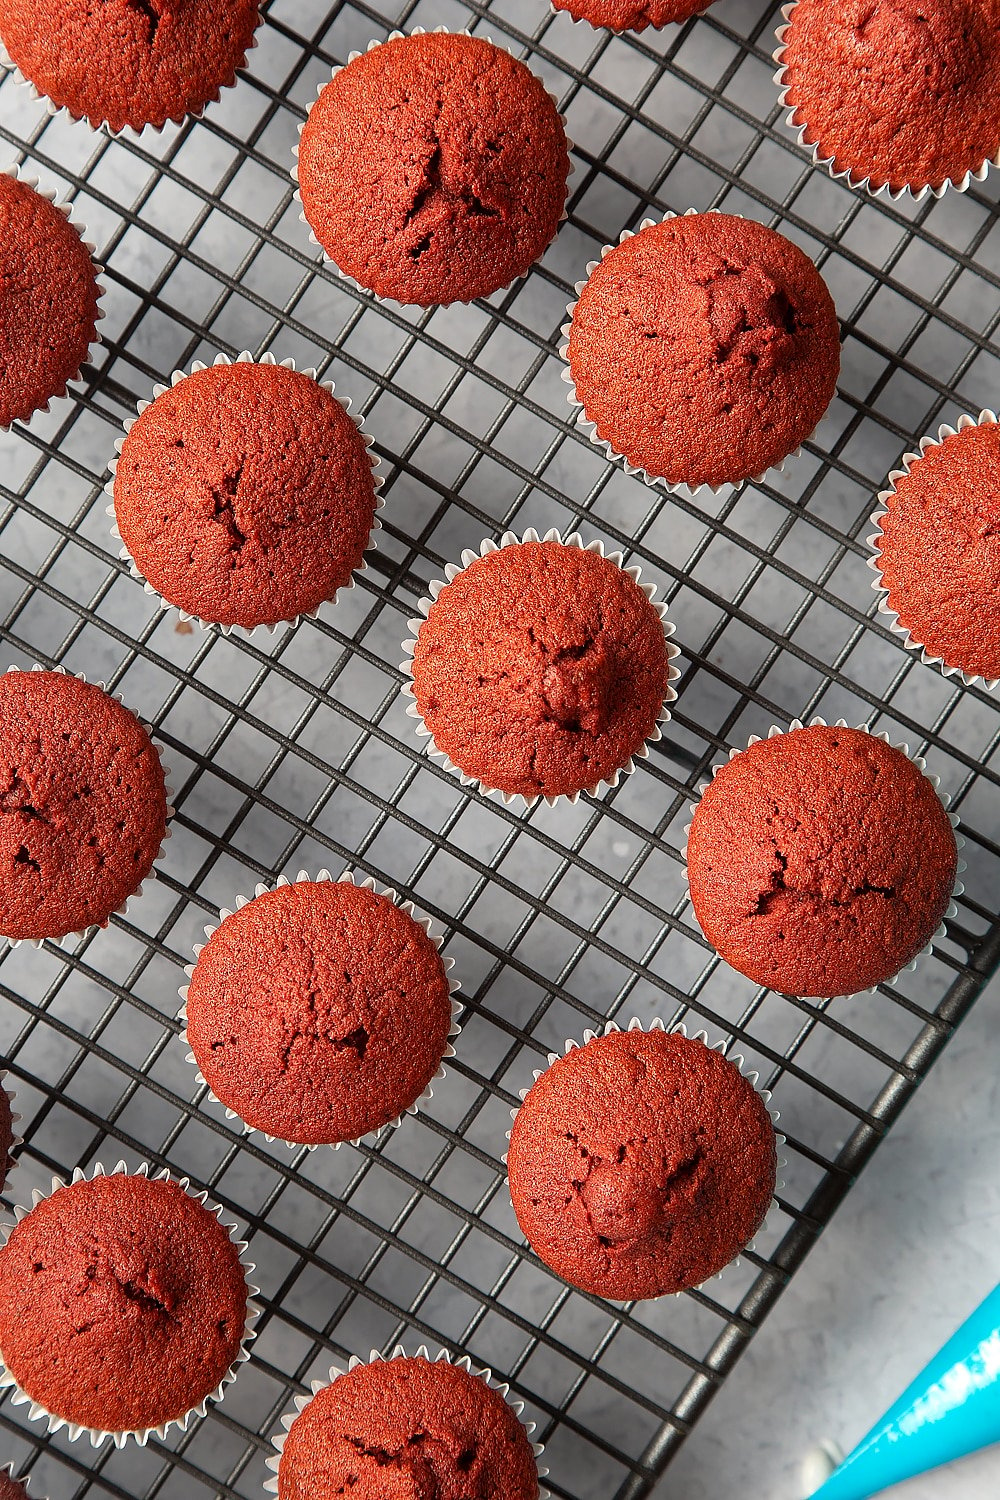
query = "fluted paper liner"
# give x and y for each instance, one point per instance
(850, 175)
(655, 481)
(985, 419)
(921, 765)
(752, 1077)
(119, 911)
(128, 132)
(18, 174)
(16, 1140)
(395, 36)
(451, 572)
(502, 1388)
(178, 376)
(55, 1423)
(454, 986)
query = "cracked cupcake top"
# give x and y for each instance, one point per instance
(122, 1303)
(631, 15)
(129, 62)
(319, 1011)
(541, 669)
(245, 494)
(83, 807)
(902, 92)
(50, 294)
(433, 169)
(705, 349)
(821, 862)
(939, 552)
(641, 1164)
(408, 1429)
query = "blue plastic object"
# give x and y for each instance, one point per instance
(951, 1409)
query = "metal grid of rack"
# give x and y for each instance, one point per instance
(292, 751)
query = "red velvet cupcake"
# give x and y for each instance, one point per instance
(11, 1488)
(703, 350)
(641, 1163)
(129, 62)
(244, 493)
(542, 669)
(631, 15)
(51, 292)
(124, 1306)
(433, 168)
(8, 1139)
(86, 803)
(405, 1429)
(899, 95)
(821, 862)
(937, 561)
(320, 1011)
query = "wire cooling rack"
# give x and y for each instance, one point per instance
(293, 751)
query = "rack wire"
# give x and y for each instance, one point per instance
(293, 751)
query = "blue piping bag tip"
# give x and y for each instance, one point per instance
(950, 1410)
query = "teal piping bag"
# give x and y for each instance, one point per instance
(951, 1409)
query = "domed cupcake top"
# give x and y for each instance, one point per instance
(50, 297)
(403, 1429)
(939, 549)
(641, 1164)
(319, 1011)
(899, 94)
(705, 349)
(123, 1303)
(129, 62)
(541, 669)
(245, 494)
(83, 807)
(433, 168)
(631, 15)
(821, 862)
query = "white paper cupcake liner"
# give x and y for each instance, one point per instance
(454, 986)
(590, 428)
(7, 1472)
(328, 259)
(985, 419)
(55, 1423)
(178, 376)
(849, 175)
(18, 174)
(147, 880)
(511, 539)
(921, 765)
(502, 1388)
(128, 132)
(17, 1140)
(630, 30)
(752, 1077)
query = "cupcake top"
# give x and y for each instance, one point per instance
(541, 669)
(631, 15)
(433, 169)
(319, 1011)
(129, 62)
(11, 1488)
(403, 1429)
(245, 495)
(821, 862)
(122, 1303)
(903, 92)
(939, 552)
(84, 804)
(641, 1164)
(705, 349)
(49, 304)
